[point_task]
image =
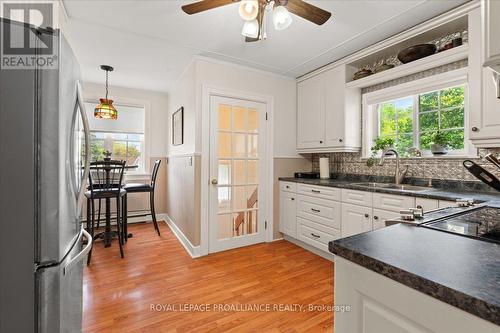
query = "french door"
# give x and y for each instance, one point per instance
(237, 173)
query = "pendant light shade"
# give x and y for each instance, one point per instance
(251, 29)
(106, 110)
(281, 18)
(249, 9)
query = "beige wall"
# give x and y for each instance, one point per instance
(284, 167)
(183, 195)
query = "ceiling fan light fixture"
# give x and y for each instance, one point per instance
(281, 18)
(251, 29)
(249, 9)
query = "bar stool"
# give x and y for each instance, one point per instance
(144, 188)
(105, 182)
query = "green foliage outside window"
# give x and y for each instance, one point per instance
(441, 111)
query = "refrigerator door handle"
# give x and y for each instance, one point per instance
(82, 254)
(86, 129)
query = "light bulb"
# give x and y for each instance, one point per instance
(281, 18)
(249, 9)
(251, 29)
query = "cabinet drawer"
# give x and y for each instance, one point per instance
(316, 235)
(447, 203)
(392, 202)
(325, 212)
(288, 186)
(357, 197)
(322, 192)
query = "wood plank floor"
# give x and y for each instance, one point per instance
(118, 293)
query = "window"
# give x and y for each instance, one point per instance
(413, 120)
(123, 137)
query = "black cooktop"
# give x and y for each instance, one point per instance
(482, 223)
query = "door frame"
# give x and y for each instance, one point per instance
(207, 92)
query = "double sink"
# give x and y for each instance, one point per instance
(400, 187)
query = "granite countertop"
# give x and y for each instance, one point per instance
(460, 271)
(449, 192)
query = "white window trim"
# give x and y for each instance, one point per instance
(125, 101)
(436, 82)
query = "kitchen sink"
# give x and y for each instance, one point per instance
(401, 187)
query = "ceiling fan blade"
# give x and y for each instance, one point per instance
(204, 5)
(308, 11)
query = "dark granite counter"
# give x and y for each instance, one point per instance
(460, 271)
(444, 192)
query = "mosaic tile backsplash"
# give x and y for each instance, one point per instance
(435, 168)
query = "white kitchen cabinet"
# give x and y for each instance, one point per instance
(311, 113)
(491, 33)
(484, 117)
(380, 216)
(325, 212)
(328, 115)
(288, 213)
(315, 234)
(379, 304)
(355, 197)
(391, 202)
(426, 204)
(355, 219)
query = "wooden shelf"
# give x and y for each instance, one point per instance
(435, 60)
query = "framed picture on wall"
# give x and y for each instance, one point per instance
(178, 127)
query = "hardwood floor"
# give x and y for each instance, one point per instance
(156, 271)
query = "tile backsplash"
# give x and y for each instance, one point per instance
(436, 168)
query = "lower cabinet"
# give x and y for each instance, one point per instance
(288, 213)
(355, 219)
(380, 216)
(316, 234)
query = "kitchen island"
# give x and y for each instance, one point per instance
(406, 278)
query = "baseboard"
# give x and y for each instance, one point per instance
(193, 251)
(323, 254)
(275, 240)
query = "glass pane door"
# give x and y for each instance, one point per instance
(237, 155)
(238, 174)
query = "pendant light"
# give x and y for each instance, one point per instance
(251, 29)
(106, 110)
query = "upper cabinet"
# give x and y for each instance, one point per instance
(328, 116)
(491, 33)
(484, 115)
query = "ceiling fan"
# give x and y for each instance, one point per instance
(254, 14)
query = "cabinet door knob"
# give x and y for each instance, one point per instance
(475, 129)
(293, 199)
(367, 215)
(375, 217)
(340, 140)
(321, 142)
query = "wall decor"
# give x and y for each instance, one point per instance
(178, 127)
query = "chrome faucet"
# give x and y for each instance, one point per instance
(399, 175)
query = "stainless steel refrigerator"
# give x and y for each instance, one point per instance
(44, 151)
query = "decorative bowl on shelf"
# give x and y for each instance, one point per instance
(362, 73)
(416, 52)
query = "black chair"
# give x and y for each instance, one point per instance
(145, 188)
(105, 182)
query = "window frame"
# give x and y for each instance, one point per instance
(371, 102)
(128, 102)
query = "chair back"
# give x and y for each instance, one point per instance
(106, 176)
(154, 174)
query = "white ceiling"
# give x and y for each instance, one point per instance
(150, 42)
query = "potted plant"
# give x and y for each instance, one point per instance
(440, 143)
(379, 144)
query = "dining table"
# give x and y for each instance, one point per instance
(107, 235)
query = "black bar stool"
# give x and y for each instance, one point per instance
(144, 188)
(105, 182)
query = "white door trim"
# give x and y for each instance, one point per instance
(207, 91)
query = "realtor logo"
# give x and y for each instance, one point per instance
(28, 47)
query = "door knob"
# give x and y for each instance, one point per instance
(215, 181)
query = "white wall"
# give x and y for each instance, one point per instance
(156, 111)
(234, 77)
(184, 94)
